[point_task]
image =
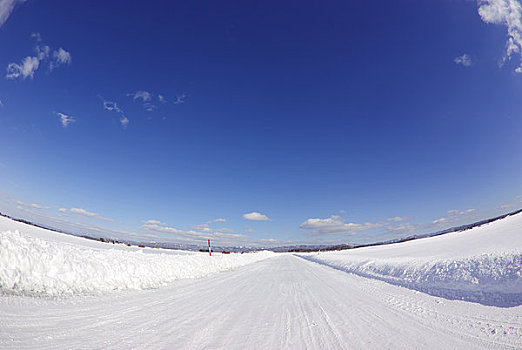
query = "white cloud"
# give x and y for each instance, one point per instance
(42, 52)
(30, 64)
(1, 104)
(153, 222)
(206, 227)
(224, 230)
(198, 232)
(65, 119)
(124, 121)
(403, 229)
(83, 212)
(461, 212)
(24, 70)
(453, 216)
(180, 99)
(202, 227)
(60, 57)
(509, 14)
(144, 96)
(397, 219)
(31, 205)
(161, 228)
(249, 230)
(255, 216)
(149, 107)
(162, 99)
(440, 221)
(113, 107)
(6, 7)
(335, 225)
(464, 60)
(37, 36)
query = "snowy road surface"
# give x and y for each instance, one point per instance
(281, 302)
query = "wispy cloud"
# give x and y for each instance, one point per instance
(37, 36)
(144, 96)
(42, 52)
(113, 107)
(180, 99)
(31, 205)
(453, 216)
(150, 107)
(124, 121)
(160, 227)
(65, 119)
(397, 219)
(464, 60)
(24, 70)
(509, 14)
(83, 212)
(202, 227)
(153, 222)
(60, 57)
(402, 229)
(198, 232)
(6, 7)
(335, 225)
(205, 227)
(255, 216)
(30, 64)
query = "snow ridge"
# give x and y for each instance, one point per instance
(32, 266)
(482, 264)
(489, 280)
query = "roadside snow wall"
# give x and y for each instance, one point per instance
(482, 265)
(29, 265)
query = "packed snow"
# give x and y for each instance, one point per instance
(41, 262)
(280, 302)
(483, 264)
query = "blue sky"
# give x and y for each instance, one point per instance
(260, 123)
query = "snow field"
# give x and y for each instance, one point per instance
(34, 266)
(481, 265)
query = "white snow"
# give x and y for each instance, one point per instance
(283, 302)
(42, 262)
(483, 264)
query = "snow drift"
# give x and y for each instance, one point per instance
(33, 265)
(480, 265)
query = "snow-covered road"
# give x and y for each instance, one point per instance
(282, 302)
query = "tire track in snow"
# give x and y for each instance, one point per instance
(283, 302)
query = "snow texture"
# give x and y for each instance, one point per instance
(31, 265)
(482, 265)
(283, 302)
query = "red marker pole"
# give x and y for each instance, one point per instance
(209, 251)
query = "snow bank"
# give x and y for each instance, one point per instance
(31, 265)
(481, 265)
